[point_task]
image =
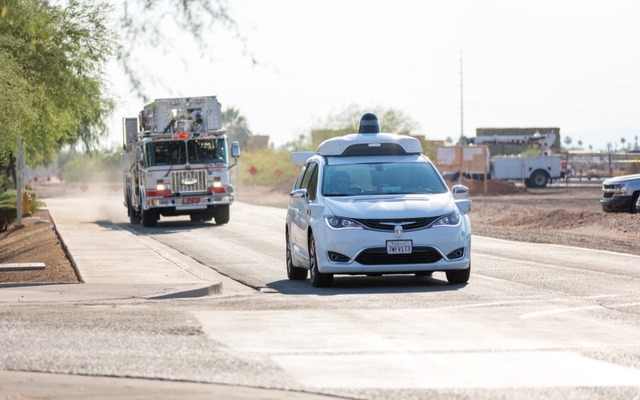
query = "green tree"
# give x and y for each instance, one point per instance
(237, 126)
(391, 120)
(52, 70)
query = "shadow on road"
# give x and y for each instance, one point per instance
(162, 228)
(366, 285)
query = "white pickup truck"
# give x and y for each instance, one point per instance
(620, 194)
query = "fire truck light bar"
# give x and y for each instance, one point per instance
(187, 135)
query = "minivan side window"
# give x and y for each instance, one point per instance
(312, 189)
(309, 169)
(298, 184)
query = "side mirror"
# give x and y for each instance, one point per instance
(235, 153)
(459, 191)
(300, 193)
(235, 150)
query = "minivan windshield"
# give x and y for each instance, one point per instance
(381, 178)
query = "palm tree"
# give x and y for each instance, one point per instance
(567, 140)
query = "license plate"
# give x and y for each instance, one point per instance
(399, 246)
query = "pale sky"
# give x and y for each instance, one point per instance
(571, 64)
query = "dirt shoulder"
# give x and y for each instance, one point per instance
(559, 215)
(571, 217)
(36, 241)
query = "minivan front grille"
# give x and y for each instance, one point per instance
(408, 224)
(189, 181)
(379, 256)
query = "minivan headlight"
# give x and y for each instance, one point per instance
(452, 219)
(341, 223)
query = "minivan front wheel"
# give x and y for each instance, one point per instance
(318, 279)
(458, 276)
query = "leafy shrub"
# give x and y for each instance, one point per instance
(7, 216)
(8, 195)
(8, 212)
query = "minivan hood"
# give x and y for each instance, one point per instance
(391, 206)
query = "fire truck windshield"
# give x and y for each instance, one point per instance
(177, 152)
(165, 153)
(207, 151)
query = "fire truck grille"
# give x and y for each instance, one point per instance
(191, 181)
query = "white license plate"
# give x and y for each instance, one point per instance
(399, 246)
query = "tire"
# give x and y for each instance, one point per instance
(149, 218)
(196, 217)
(134, 217)
(222, 215)
(458, 276)
(318, 279)
(634, 200)
(293, 273)
(538, 179)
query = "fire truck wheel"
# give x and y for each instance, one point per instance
(196, 217)
(149, 218)
(222, 215)
(134, 217)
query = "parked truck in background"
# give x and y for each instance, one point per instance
(621, 194)
(176, 161)
(534, 171)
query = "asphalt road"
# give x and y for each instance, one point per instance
(535, 321)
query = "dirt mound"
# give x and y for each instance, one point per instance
(528, 216)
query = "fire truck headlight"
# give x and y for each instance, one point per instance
(160, 185)
(217, 183)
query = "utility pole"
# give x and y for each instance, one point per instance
(19, 178)
(461, 100)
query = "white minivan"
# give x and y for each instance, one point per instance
(372, 204)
